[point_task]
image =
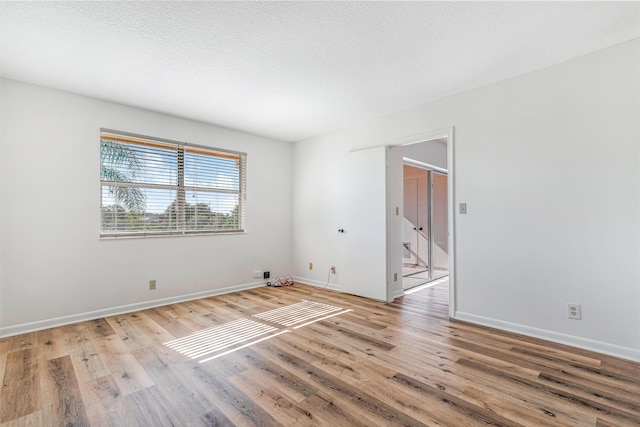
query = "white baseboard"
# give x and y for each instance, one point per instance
(8, 331)
(317, 283)
(584, 343)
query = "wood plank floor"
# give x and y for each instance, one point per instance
(334, 360)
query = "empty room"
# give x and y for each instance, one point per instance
(319, 213)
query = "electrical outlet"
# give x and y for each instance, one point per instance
(463, 208)
(266, 274)
(395, 277)
(333, 269)
(152, 285)
(310, 266)
(574, 311)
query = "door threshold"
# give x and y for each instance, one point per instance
(426, 285)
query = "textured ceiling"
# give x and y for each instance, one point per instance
(292, 70)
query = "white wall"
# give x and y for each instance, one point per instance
(548, 164)
(55, 269)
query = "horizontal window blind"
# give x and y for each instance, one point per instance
(153, 187)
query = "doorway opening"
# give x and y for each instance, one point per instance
(425, 224)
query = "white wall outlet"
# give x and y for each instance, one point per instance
(257, 274)
(333, 269)
(574, 311)
(152, 285)
(463, 208)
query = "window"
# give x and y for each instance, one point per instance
(153, 187)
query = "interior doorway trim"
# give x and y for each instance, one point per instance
(447, 133)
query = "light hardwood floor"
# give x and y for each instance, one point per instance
(403, 363)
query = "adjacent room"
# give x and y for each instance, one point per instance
(319, 213)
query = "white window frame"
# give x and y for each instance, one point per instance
(180, 188)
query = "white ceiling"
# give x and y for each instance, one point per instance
(292, 70)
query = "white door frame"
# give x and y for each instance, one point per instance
(415, 139)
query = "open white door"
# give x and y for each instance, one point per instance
(362, 215)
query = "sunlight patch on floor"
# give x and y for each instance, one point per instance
(219, 337)
(322, 318)
(244, 346)
(238, 334)
(297, 313)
